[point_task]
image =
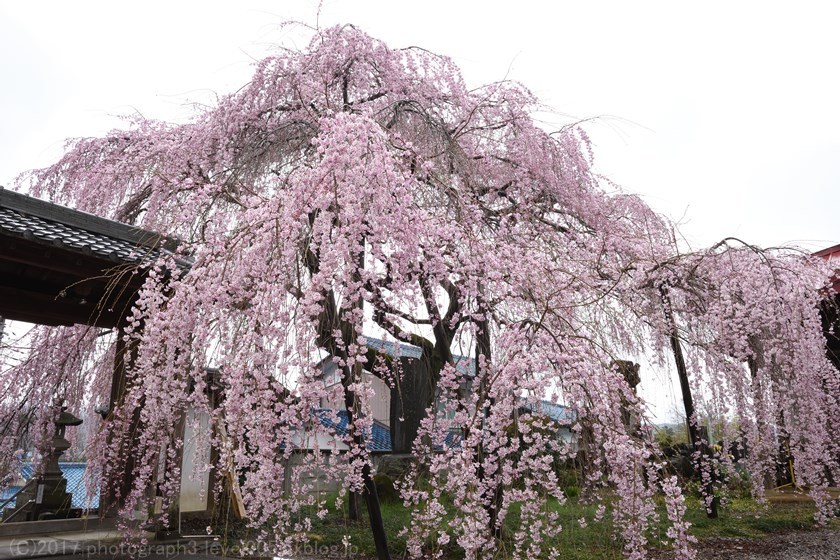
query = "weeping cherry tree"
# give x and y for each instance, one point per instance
(351, 186)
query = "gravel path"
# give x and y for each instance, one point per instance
(823, 544)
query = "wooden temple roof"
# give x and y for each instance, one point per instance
(59, 266)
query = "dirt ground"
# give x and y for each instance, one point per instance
(823, 544)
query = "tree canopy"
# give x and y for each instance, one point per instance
(353, 188)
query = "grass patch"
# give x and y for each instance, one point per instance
(742, 517)
(332, 529)
(595, 541)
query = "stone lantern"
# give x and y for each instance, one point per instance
(48, 498)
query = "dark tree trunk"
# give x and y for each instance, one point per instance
(482, 349)
(371, 497)
(410, 397)
(688, 400)
(328, 322)
(354, 506)
(630, 371)
(380, 539)
(698, 442)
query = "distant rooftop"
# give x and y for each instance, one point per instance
(832, 255)
(561, 414)
(829, 253)
(396, 349)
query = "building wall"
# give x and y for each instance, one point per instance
(380, 404)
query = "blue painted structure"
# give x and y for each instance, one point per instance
(378, 439)
(561, 414)
(75, 475)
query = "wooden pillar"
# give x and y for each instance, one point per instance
(118, 483)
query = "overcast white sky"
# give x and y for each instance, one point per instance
(723, 115)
